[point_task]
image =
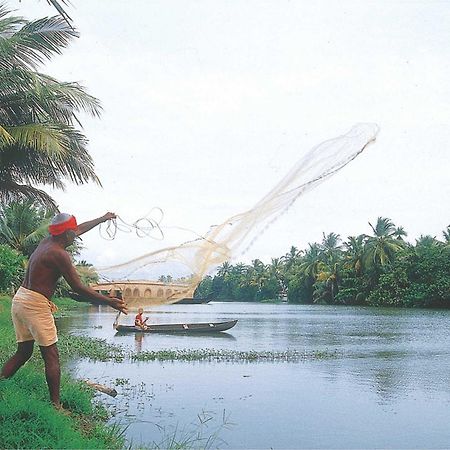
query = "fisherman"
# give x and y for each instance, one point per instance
(139, 321)
(31, 306)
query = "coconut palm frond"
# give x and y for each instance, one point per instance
(35, 42)
(72, 95)
(5, 137)
(35, 96)
(10, 192)
(39, 144)
(446, 234)
(47, 138)
(32, 165)
(6, 233)
(61, 10)
(37, 235)
(383, 227)
(23, 224)
(3, 12)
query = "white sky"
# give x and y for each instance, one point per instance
(207, 104)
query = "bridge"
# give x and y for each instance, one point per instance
(145, 292)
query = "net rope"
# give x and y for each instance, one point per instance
(146, 226)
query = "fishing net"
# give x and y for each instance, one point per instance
(186, 264)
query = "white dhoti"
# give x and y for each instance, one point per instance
(32, 318)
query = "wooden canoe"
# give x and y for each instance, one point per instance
(192, 301)
(207, 327)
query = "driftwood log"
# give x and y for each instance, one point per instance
(102, 388)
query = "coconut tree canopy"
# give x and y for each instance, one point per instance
(39, 140)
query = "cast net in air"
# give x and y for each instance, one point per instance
(188, 263)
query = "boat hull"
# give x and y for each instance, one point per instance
(207, 327)
(192, 301)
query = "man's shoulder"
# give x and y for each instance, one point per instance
(51, 249)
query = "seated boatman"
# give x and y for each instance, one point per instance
(139, 321)
(31, 306)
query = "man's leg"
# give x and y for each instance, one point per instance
(22, 355)
(52, 371)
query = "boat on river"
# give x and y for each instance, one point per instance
(192, 301)
(207, 327)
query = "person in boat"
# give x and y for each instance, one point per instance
(31, 306)
(139, 321)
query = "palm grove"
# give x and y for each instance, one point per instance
(40, 141)
(380, 269)
(41, 145)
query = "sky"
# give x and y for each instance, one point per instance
(207, 105)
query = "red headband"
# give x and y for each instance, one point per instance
(59, 228)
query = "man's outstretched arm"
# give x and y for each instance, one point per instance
(84, 292)
(86, 226)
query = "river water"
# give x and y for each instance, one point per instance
(385, 383)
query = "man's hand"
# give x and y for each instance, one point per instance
(108, 216)
(86, 226)
(118, 304)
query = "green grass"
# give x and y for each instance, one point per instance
(27, 418)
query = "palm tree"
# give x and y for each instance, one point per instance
(224, 270)
(354, 254)
(446, 234)
(382, 247)
(427, 241)
(258, 273)
(23, 225)
(291, 257)
(276, 267)
(327, 282)
(400, 233)
(39, 143)
(310, 262)
(276, 270)
(331, 248)
(383, 227)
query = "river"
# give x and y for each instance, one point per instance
(385, 382)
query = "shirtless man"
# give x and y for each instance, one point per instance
(31, 307)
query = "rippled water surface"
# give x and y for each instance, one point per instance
(385, 384)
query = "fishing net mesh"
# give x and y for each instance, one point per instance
(189, 262)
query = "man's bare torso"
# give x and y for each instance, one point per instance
(43, 272)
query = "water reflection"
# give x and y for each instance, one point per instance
(138, 338)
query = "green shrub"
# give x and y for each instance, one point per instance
(12, 268)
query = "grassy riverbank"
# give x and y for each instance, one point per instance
(28, 420)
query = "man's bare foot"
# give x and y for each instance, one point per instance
(61, 409)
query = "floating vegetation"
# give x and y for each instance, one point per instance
(88, 347)
(100, 350)
(210, 354)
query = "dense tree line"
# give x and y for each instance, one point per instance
(381, 269)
